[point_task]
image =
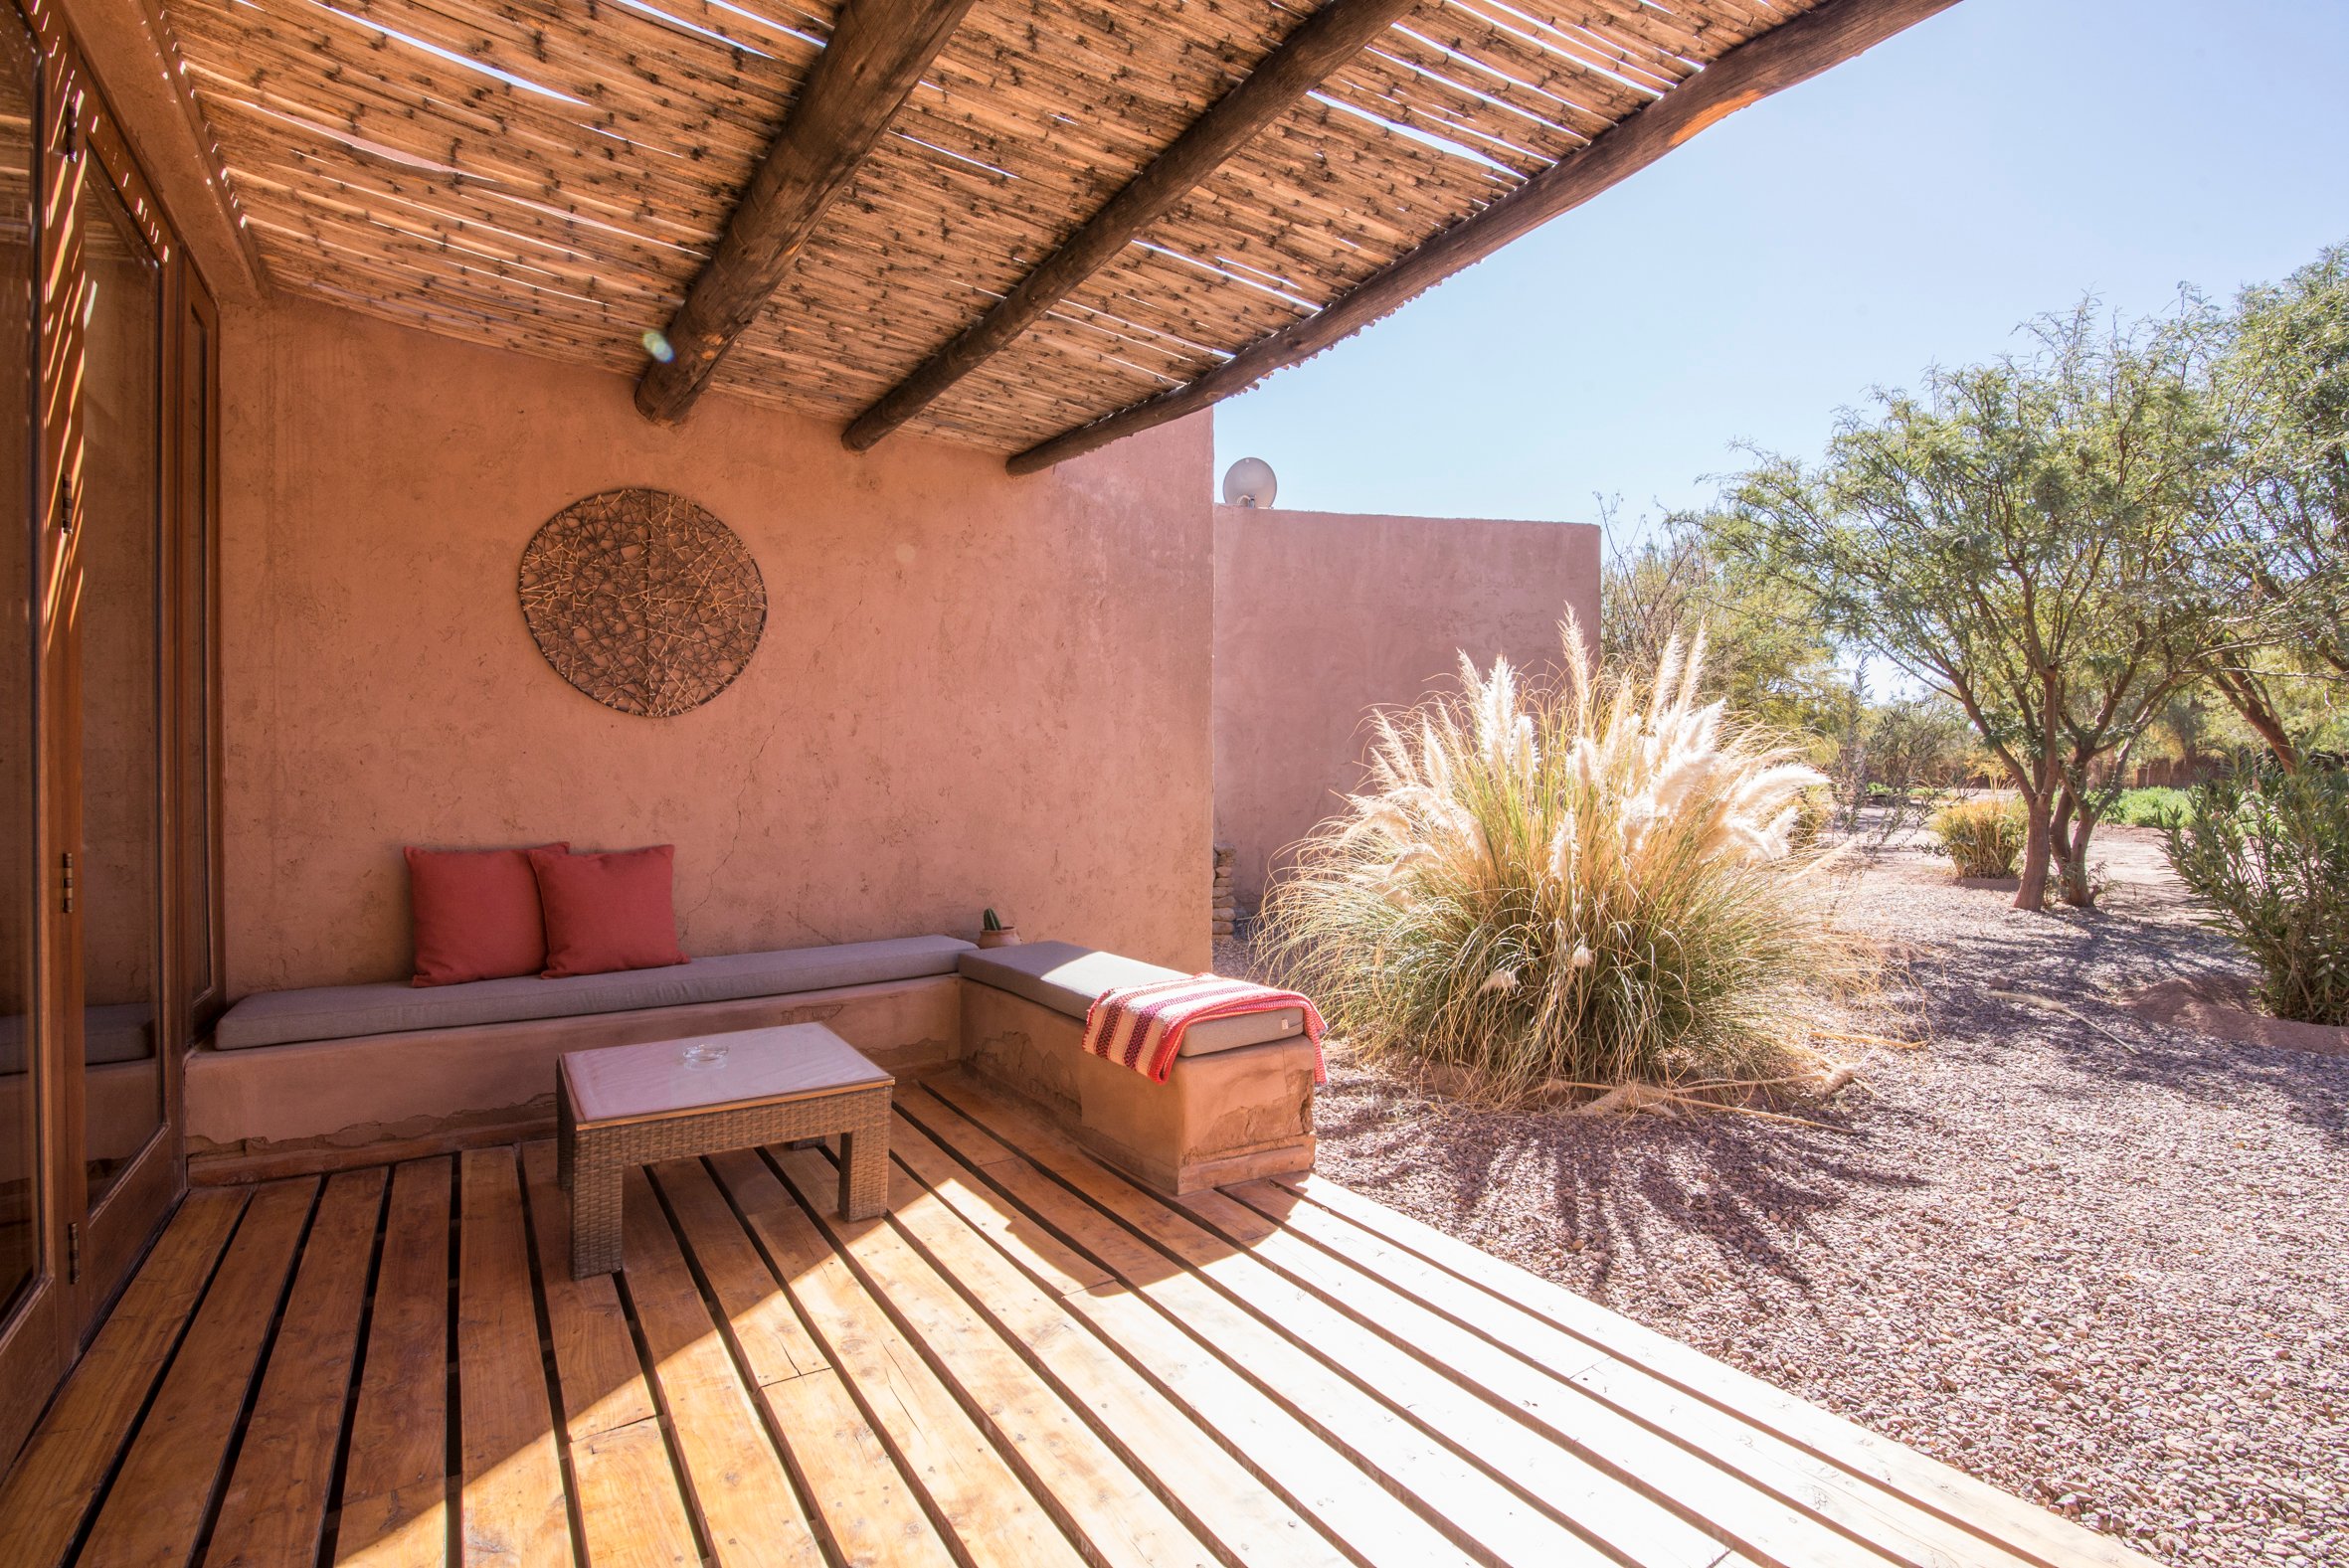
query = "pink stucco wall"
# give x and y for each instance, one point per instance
(1320, 616)
(972, 690)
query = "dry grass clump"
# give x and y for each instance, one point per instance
(1564, 886)
(1984, 839)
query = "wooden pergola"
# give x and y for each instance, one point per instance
(1032, 226)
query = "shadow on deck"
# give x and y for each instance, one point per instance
(1031, 1361)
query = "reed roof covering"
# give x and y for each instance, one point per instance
(550, 175)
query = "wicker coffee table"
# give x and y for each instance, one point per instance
(636, 1105)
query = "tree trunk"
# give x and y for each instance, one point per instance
(2059, 831)
(2248, 699)
(2038, 848)
(2078, 892)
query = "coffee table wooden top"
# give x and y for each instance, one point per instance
(636, 1082)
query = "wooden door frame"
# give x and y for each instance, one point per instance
(37, 1342)
(115, 1233)
(197, 307)
(77, 138)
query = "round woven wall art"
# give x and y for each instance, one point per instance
(642, 601)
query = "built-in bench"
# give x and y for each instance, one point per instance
(1238, 1105)
(306, 1079)
(310, 1079)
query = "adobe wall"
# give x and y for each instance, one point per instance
(1320, 616)
(959, 700)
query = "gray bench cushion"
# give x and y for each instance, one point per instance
(1066, 978)
(339, 1012)
(123, 1032)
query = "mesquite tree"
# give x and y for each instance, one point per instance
(2274, 540)
(1771, 659)
(2006, 536)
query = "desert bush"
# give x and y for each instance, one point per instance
(2270, 863)
(1983, 837)
(1814, 810)
(1914, 743)
(2154, 807)
(1563, 885)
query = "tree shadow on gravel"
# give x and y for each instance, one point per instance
(1707, 1202)
(1621, 1194)
(2064, 975)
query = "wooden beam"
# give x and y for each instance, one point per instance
(165, 43)
(877, 54)
(1791, 53)
(1327, 40)
(130, 47)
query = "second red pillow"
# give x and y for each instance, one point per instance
(607, 911)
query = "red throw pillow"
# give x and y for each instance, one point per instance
(607, 911)
(476, 914)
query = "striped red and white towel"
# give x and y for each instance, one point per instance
(1141, 1027)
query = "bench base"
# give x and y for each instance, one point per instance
(1235, 1115)
(298, 1110)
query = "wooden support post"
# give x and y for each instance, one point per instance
(877, 54)
(1327, 40)
(1791, 53)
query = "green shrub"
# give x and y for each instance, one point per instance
(1814, 813)
(2149, 807)
(1983, 837)
(1563, 885)
(2271, 865)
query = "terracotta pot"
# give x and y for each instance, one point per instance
(1009, 936)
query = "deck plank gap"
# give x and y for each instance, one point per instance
(330, 1525)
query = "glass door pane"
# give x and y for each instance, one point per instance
(120, 875)
(20, 870)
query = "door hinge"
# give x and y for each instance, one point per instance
(69, 882)
(74, 1253)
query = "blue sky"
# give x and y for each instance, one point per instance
(1909, 208)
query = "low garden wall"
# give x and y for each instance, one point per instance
(1322, 616)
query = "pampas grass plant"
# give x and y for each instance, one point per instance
(1560, 887)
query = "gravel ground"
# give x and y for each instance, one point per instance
(2092, 1260)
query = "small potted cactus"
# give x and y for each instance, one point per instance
(993, 932)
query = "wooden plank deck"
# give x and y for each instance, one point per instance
(1031, 1361)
